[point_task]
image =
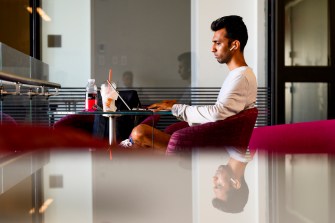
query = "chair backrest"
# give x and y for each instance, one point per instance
(7, 119)
(303, 138)
(79, 122)
(234, 131)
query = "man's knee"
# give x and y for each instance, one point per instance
(140, 132)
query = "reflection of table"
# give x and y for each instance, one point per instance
(112, 118)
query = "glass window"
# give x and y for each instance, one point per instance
(305, 102)
(14, 24)
(306, 33)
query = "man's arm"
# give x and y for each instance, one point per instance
(237, 94)
(163, 105)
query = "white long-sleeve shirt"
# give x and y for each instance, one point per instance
(238, 92)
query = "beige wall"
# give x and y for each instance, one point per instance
(209, 73)
(70, 64)
(144, 37)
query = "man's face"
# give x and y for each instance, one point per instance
(220, 46)
(183, 70)
(128, 80)
(221, 181)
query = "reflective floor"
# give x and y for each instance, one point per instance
(89, 186)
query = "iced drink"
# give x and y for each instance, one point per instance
(108, 95)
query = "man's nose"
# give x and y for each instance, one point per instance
(213, 48)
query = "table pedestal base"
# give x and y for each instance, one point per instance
(112, 132)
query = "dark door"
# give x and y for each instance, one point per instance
(301, 61)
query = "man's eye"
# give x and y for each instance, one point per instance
(219, 186)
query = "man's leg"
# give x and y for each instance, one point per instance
(147, 136)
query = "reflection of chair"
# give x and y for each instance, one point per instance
(233, 131)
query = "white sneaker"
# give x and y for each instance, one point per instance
(127, 143)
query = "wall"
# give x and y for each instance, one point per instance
(207, 71)
(144, 37)
(70, 64)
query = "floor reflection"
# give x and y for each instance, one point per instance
(305, 190)
(226, 188)
(86, 186)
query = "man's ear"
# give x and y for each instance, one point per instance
(236, 44)
(236, 183)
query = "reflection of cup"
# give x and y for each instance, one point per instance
(108, 95)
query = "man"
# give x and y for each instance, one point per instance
(230, 188)
(237, 93)
(184, 66)
(184, 70)
(127, 79)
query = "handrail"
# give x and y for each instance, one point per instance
(27, 81)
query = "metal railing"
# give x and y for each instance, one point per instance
(25, 99)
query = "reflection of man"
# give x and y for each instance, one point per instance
(184, 70)
(127, 79)
(230, 188)
(184, 66)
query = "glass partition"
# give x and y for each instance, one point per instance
(305, 102)
(140, 40)
(143, 40)
(306, 33)
(24, 87)
(15, 62)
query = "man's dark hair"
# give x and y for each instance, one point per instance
(236, 199)
(235, 27)
(185, 58)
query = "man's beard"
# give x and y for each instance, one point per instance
(226, 59)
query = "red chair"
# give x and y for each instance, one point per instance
(304, 137)
(80, 122)
(233, 131)
(7, 119)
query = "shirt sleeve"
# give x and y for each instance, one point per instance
(231, 100)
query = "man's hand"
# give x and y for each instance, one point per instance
(163, 105)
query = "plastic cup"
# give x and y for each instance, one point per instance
(108, 95)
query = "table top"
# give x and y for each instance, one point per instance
(116, 113)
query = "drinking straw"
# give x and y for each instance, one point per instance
(110, 75)
(111, 85)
